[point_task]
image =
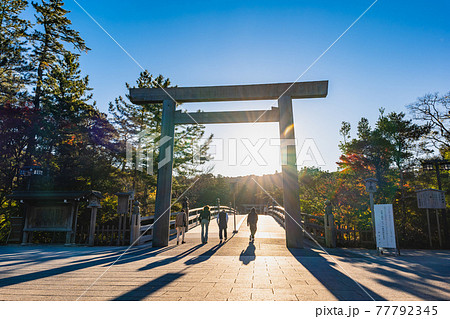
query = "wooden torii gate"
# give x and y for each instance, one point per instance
(283, 92)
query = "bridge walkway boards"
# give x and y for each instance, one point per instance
(234, 270)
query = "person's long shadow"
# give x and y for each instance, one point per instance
(203, 256)
(248, 255)
(171, 259)
(154, 285)
(149, 288)
(134, 254)
(21, 256)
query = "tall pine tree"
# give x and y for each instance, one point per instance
(50, 38)
(78, 143)
(140, 126)
(14, 66)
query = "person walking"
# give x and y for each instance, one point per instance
(252, 221)
(205, 217)
(180, 225)
(222, 221)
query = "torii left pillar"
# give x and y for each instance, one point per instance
(164, 180)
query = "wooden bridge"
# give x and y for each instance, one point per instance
(140, 229)
(145, 224)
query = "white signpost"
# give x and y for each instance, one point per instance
(384, 226)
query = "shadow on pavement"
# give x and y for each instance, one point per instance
(171, 259)
(203, 256)
(248, 255)
(154, 285)
(336, 282)
(134, 254)
(149, 288)
(333, 279)
(408, 275)
(413, 275)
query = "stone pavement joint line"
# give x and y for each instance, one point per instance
(233, 270)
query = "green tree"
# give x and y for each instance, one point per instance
(433, 110)
(389, 152)
(14, 66)
(77, 143)
(15, 123)
(140, 126)
(50, 39)
(404, 138)
(368, 155)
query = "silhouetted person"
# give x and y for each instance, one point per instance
(252, 220)
(180, 225)
(205, 217)
(222, 221)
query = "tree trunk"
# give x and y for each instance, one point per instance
(402, 188)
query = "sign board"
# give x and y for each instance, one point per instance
(371, 185)
(49, 217)
(384, 226)
(431, 199)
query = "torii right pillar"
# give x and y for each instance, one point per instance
(291, 190)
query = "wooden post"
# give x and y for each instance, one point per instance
(233, 211)
(164, 179)
(133, 229)
(291, 200)
(218, 207)
(69, 233)
(135, 225)
(25, 226)
(119, 229)
(429, 228)
(372, 216)
(74, 238)
(126, 216)
(186, 211)
(438, 228)
(92, 226)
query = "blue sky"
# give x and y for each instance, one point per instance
(398, 51)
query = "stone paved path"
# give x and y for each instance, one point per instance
(234, 270)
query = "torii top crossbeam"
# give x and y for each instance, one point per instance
(299, 90)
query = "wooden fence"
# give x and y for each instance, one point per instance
(314, 226)
(105, 235)
(110, 235)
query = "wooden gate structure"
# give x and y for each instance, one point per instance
(283, 114)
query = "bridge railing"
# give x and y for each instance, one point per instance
(277, 212)
(146, 222)
(311, 223)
